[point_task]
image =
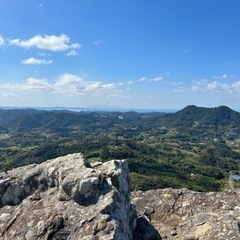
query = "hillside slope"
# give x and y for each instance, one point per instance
(194, 147)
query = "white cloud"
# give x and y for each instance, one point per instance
(4, 94)
(96, 86)
(98, 42)
(224, 76)
(36, 61)
(66, 86)
(31, 84)
(2, 42)
(142, 79)
(177, 83)
(166, 73)
(155, 79)
(40, 5)
(71, 53)
(179, 89)
(206, 85)
(69, 84)
(38, 84)
(46, 42)
(236, 87)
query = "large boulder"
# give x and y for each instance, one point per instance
(64, 198)
(187, 215)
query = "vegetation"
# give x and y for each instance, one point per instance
(194, 148)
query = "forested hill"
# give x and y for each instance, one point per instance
(191, 115)
(29, 118)
(218, 116)
(195, 147)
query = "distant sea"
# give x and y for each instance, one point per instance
(93, 109)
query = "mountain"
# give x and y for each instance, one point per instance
(162, 149)
(187, 117)
(191, 115)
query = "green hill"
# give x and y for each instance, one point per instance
(195, 147)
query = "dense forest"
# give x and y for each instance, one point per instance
(194, 148)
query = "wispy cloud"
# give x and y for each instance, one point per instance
(2, 41)
(46, 42)
(224, 76)
(129, 82)
(179, 89)
(155, 79)
(98, 42)
(71, 53)
(178, 83)
(36, 61)
(142, 79)
(40, 5)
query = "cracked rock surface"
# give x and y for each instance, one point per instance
(64, 199)
(187, 215)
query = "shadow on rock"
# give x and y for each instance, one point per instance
(145, 230)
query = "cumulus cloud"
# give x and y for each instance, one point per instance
(69, 84)
(46, 42)
(31, 84)
(36, 61)
(65, 85)
(37, 84)
(216, 86)
(71, 53)
(4, 94)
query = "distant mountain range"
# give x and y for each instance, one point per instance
(163, 149)
(188, 116)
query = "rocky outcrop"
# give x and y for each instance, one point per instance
(65, 199)
(186, 215)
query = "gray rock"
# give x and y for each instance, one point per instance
(186, 215)
(64, 199)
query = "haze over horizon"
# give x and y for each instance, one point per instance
(166, 54)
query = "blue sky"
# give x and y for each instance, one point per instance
(158, 54)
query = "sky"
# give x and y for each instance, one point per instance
(135, 54)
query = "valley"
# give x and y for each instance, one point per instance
(194, 148)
